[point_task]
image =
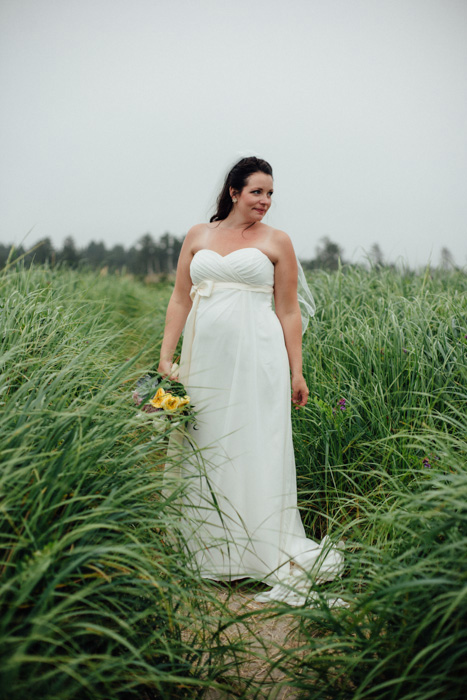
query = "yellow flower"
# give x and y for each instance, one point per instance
(156, 400)
(170, 403)
(183, 402)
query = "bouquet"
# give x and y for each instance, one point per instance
(165, 398)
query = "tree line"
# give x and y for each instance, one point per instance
(146, 257)
(149, 256)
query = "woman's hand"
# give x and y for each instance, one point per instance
(165, 368)
(299, 391)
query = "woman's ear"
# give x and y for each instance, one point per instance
(233, 193)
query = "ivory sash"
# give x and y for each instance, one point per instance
(205, 289)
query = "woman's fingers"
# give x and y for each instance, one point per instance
(174, 371)
(165, 368)
(299, 398)
(299, 391)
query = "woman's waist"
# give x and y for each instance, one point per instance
(205, 288)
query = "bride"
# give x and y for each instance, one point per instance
(241, 360)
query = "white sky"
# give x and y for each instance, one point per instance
(121, 117)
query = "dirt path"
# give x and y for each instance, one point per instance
(267, 636)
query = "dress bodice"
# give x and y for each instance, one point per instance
(246, 265)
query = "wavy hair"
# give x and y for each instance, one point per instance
(236, 179)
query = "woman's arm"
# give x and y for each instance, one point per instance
(179, 305)
(288, 312)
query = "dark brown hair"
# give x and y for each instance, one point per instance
(236, 179)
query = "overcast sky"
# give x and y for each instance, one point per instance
(121, 117)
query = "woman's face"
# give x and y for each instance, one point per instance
(255, 198)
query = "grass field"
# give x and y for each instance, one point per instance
(98, 599)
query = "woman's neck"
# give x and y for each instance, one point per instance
(232, 223)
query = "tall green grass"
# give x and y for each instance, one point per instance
(393, 347)
(96, 593)
(99, 599)
(404, 633)
(386, 470)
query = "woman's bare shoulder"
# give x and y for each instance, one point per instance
(196, 230)
(193, 235)
(280, 236)
(281, 241)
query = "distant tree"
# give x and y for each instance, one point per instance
(118, 258)
(10, 253)
(447, 259)
(327, 257)
(177, 246)
(44, 252)
(95, 254)
(41, 252)
(4, 253)
(133, 260)
(147, 262)
(168, 249)
(69, 254)
(328, 254)
(152, 256)
(376, 255)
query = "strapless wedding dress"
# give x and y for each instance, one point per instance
(242, 505)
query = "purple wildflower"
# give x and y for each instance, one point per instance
(426, 463)
(342, 405)
(137, 398)
(405, 350)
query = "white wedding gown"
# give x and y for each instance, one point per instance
(241, 513)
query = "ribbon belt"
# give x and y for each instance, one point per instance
(205, 289)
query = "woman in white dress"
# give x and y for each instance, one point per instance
(241, 360)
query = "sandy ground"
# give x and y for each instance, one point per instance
(267, 635)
